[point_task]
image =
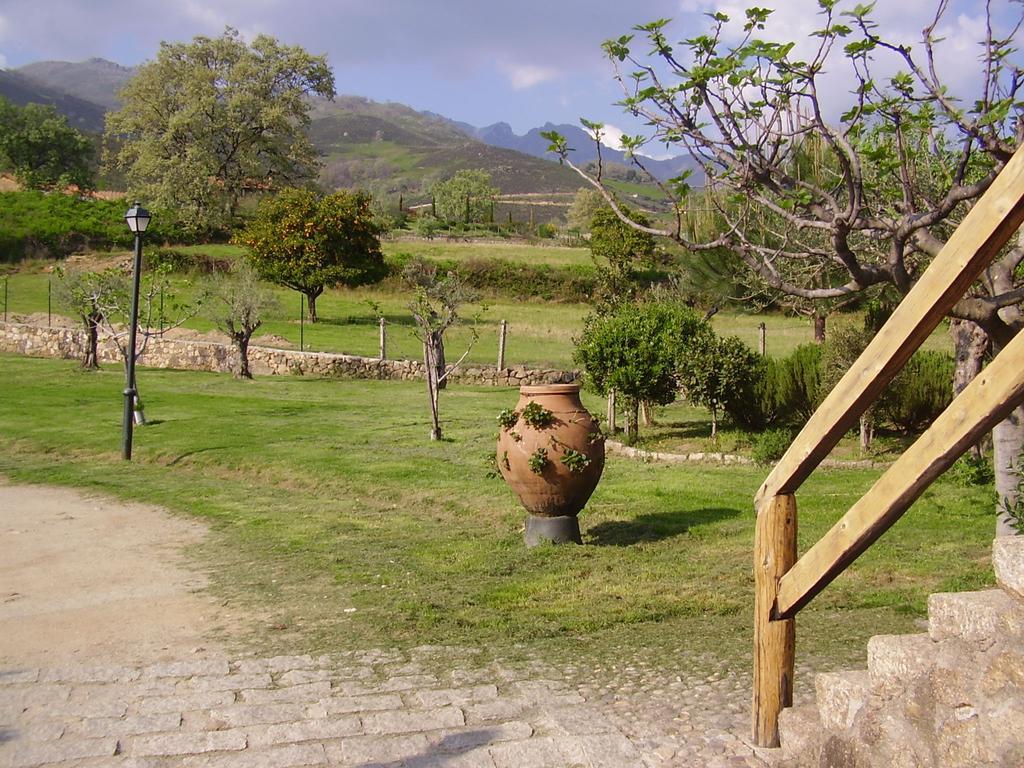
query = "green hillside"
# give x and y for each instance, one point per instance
(392, 149)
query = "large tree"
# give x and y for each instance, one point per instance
(42, 151)
(465, 197)
(306, 241)
(209, 119)
(822, 206)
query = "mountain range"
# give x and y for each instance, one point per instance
(386, 147)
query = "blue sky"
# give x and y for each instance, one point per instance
(523, 62)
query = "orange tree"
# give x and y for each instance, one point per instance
(306, 241)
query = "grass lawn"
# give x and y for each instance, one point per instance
(326, 495)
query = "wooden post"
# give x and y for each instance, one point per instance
(761, 345)
(611, 413)
(501, 344)
(383, 339)
(774, 640)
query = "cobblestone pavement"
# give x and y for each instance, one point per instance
(426, 707)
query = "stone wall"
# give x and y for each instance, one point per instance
(194, 355)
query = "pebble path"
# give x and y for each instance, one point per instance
(430, 706)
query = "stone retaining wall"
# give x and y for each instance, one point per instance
(194, 355)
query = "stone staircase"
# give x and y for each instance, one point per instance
(950, 698)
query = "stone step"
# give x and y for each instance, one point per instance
(898, 661)
(975, 617)
(799, 733)
(1008, 563)
(840, 696)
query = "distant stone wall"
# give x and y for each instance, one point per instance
(191, 355)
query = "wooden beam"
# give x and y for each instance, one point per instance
(983, 232)
(986, 401)
(774, 641)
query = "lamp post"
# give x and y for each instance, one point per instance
(137, 218)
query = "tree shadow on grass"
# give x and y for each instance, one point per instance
(655, 527)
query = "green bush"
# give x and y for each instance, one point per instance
(921, 391)
(801, 381)
(971, 470)
(764, 401)
(771, 445)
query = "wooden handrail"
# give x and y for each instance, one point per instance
(782, 588)
(983, 232)
(986, 401)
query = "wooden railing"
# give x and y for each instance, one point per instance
(785, 584)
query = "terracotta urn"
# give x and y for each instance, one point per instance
(551, 453)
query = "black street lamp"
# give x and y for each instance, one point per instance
(138, 219)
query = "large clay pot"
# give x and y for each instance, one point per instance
(554, 493)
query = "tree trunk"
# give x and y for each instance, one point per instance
(430, 367)
(645, 414)
(435, 340)
(970, 343)
(1007, 443)
(867, 433)
(242, 343)
(632, 419)
(91, 360)
(311, 298)
(819, 328)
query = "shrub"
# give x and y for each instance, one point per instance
(801, 381)
(921, 391)
(970, 470)
(763, 403)
(771, 445)
(718, 373)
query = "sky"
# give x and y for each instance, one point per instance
(524, 62)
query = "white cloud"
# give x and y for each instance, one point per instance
(523, 76)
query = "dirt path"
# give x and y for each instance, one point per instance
(87, 579)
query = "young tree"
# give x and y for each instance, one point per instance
(465, 197)
(822, 209)
(584, 207)
(238, 303)
(634, 350)
(209, 119)
(435, 308)
(305, 241)
(717, 373)
(42, 151)
(618, 250)
(159, 311)
(82, 293)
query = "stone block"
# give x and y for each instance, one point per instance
(976, 617)
(1008, 563)
(231, 682)
(900, 660)
(545, 752)
(470, 737)
(126, 726)
(152, 705)
(374, 750)
(273, 757)
(185, 743)
(187, 668)
(799, 729)
(840, 696)
(303, 730)
(412, 721)
(455, 696)
(345, 704)
(60, 751)
(258, 714)
(307, 692)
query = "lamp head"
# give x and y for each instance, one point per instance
(137, 218)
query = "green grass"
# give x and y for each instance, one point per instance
(325, 495)
(459, 251)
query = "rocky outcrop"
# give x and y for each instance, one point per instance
(195, 355)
